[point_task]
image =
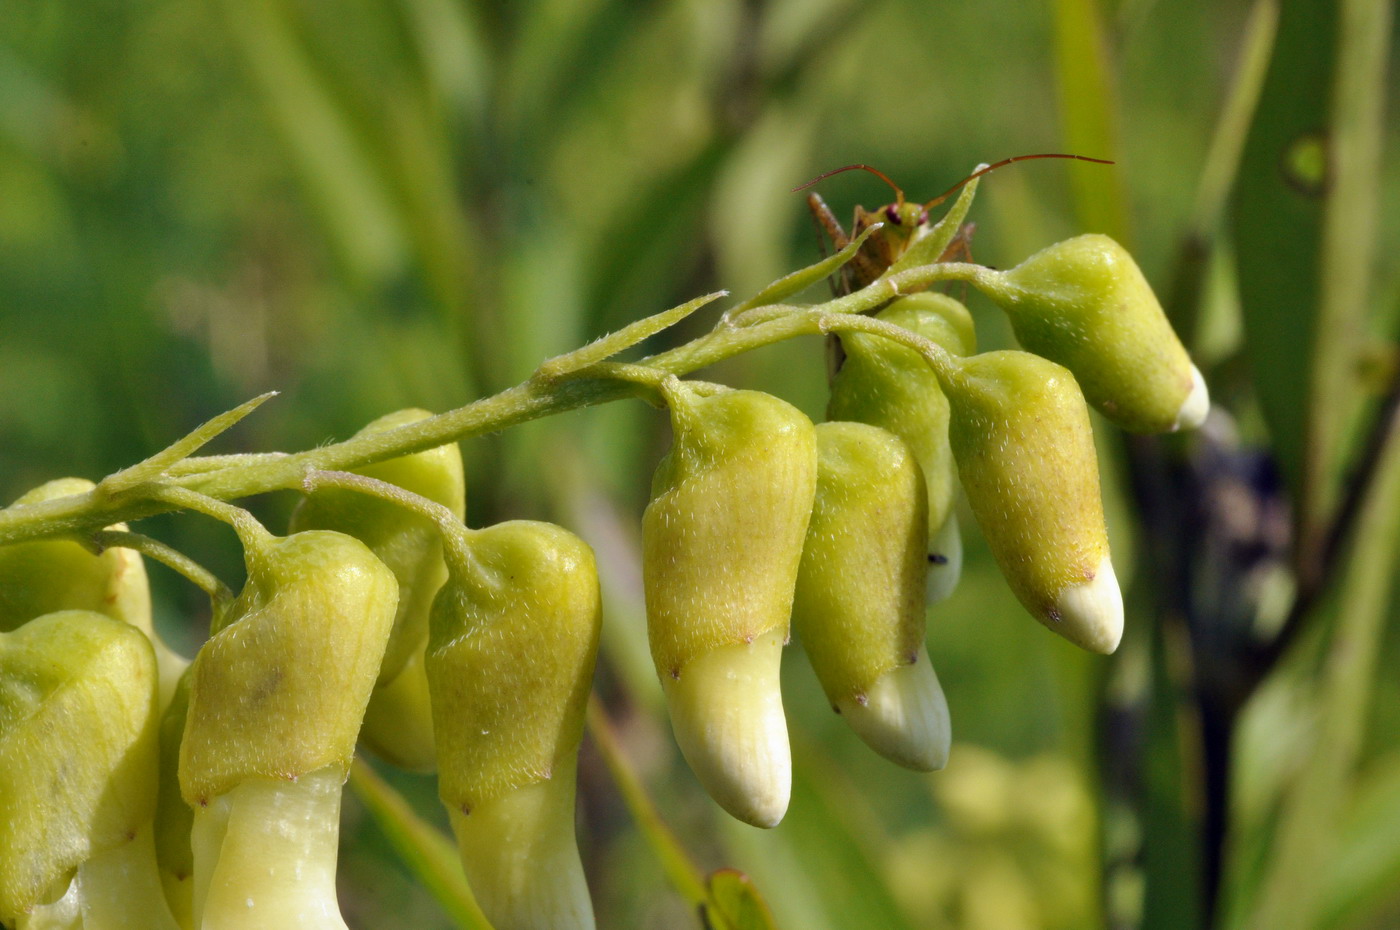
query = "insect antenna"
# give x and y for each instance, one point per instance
(899, 194)
(986, 170)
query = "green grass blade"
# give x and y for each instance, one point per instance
(735, 903)
(1171, 833)
(1349, 245)
(1218, 175)
(1227, 142)
(675, 862)
(1307, 841)
(339, 175)
(1366, 870)
(1087, 96)
(425, 851)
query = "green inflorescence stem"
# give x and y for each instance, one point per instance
(544, 394)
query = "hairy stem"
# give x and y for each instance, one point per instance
(543, 395)
(204, 579)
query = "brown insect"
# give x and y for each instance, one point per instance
(904, 223)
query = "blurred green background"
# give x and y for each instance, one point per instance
(375, 204)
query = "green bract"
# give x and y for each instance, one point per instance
(1025, 451)
(513, 639)
(891, 386)
(721, 542)
(78, 771)
(1084, 304)
(398, 723)
(281, 685)
(859, 607)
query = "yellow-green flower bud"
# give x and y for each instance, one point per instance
(41, 577)
(276, 699)
(78, 770)
(1025, 450)
(281, 685)
(721, 542)
(892, 387)
(859, 608)
(48, 575)
(398, 722)
(512, 643)
(1085, 304)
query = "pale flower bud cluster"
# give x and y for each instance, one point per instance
(137, 791)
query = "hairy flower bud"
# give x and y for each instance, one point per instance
(279, 689)
(513, 639)
(78, 770)
(891, 386)
(859, 607)
(1085, 304)
(276, 698)
(721, 542)
(1025, 450)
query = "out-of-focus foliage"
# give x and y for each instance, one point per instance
(375, 204)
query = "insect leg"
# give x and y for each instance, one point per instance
(829, 227)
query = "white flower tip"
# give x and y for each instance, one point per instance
(945, 558)
(1196, 405)
(521, 858)
(1090, 614)
(727, 714)
(904, 716)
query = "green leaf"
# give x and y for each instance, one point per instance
(734, 903)
(1305, 230)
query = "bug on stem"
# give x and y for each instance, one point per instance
(905, 222)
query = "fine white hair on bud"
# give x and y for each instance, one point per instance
(727, 714)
